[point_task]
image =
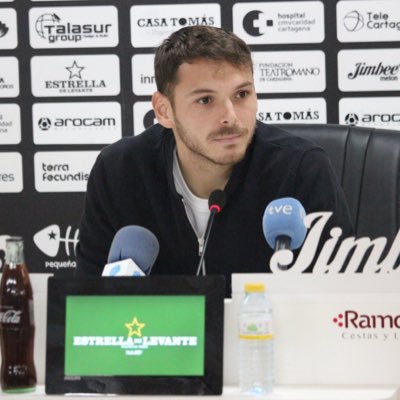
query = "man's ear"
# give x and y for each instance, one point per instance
(162, 109)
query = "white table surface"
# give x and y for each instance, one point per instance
(230, 392)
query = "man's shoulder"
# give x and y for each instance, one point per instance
(136, 146)
(278, 137)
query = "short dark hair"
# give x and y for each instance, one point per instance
(194, 42)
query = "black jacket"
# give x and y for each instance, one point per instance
(131, 183)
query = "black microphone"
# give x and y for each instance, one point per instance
(216, 202)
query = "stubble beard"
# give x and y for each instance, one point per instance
(200, 152)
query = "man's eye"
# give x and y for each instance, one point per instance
(242, 94)
(205, 100)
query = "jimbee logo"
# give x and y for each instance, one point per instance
(49, 240)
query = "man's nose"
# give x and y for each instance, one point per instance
(228, 114)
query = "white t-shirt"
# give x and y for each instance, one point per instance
(196, 208)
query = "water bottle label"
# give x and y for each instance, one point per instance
(255, 327)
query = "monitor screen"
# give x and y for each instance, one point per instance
(136, 335)
(129, 335)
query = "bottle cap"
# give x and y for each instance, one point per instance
(254, 287)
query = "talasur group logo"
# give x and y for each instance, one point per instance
(254, 25)
(51, 28)
(49, 240)
(3, 29)
(353, 21)
(44, 23)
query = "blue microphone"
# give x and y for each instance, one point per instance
(283, 224)
(133, 252)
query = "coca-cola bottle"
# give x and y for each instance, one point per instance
(17, 329)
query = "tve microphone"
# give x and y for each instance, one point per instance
(132, 253)
(283, 224)
(216, 202)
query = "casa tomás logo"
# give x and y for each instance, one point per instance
(135, 343)
(150, 24)
(356, 325)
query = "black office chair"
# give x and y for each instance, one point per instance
(367, 162)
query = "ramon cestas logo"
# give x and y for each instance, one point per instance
(388, 72)
(3, 29)
(52, 28)
(49, 240)
(135, 343)
(354, 21)
(355, 325)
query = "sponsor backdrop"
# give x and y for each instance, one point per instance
(78, 75)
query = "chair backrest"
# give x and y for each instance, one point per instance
(366, 161)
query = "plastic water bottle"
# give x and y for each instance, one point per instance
(256, 359)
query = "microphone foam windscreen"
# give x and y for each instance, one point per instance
(136, 243)
(284, 217)
(217, 198)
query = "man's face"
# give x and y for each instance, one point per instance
(214, 109)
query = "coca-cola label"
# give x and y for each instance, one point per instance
(10, 317)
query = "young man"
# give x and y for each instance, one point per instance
(208, 138)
